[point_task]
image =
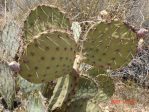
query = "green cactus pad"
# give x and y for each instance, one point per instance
(48, 56)
(97, 89)
(109, 45)
(7, 85)
(35, 103)
(83, 105)
(42, 18)
(56, 91)
(95, 71)
(106, 88)
(65, 86)
(86, 88)
(27, 87)
(106, 84)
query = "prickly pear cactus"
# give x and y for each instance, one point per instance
(35, 103)
(65, 86)
(109, 45)
(27, 87)
(83, 105)
(42, 18)
(98, 89)
(106, 88)
(94, 86)
(7, 85)
(48, 56)
(105, 82)
(86, 88)
(56, 91)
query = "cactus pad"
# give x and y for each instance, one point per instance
(105, 82)
(62, 91)
(35, 103)
(48, 56)
(97, 89)
(27, 87)
(42, 18)
(83, 105)
(86, 88)
(109, 45)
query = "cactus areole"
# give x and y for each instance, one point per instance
(109, 45)
(48, 56)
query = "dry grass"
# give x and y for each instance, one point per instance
(128, 98)
(82, 10)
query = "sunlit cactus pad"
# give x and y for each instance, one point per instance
(35, 103)
(42, 18)
(109, 45)
(48, 56)
(63, 90)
